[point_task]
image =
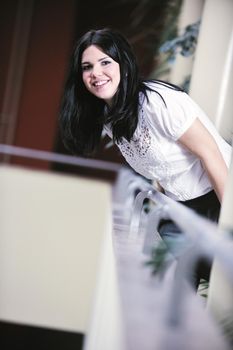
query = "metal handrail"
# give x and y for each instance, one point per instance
(202, 237)
(58, 158)
(204, 232)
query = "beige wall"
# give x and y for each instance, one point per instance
(191, 12)
(211, 82)
(52, 233)
(212, 88)
(220, 300)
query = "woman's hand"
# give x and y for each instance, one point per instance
(199, 141)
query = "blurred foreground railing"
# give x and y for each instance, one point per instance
(141, 310)
(58, 158)
(164, 314)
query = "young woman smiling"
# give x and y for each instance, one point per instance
(162, 133)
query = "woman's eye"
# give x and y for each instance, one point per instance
(86, 67)
(105, 62)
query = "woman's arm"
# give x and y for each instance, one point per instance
(199, 141)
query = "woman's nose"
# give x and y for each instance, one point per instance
(96, 70)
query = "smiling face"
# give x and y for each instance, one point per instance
(100, 73)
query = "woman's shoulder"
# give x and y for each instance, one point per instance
(154, 84)
(168, 109)
(162, 93)
(169, 96)
(158, 97)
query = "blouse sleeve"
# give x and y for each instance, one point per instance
(173, 117)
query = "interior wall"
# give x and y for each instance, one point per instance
(211, 81)
(48, 47)
(7, 20)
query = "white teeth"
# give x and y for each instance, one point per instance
(99, 83)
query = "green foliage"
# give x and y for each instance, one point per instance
(226, 324)
(203, 288)
(184, 44)
(160, 258)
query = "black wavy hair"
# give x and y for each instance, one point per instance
(82, 114)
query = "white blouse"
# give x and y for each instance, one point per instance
(153, 151)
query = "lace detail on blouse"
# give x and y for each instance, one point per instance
(144, 155)
(140, 143)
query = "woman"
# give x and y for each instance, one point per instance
(160, 131)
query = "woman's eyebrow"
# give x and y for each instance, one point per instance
(99, 60)
(104, 58)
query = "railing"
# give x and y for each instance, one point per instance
(161, 314)
(178, 304)
(58, 158)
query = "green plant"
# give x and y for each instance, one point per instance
(184, 45)
(203, 288)
(226, 325)
(160, 258)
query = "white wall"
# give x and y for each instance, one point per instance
(212, 88)
(220, 297)
(191, 12)
(212, 84)
(52, 231)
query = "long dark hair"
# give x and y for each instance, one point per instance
(83, 115)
